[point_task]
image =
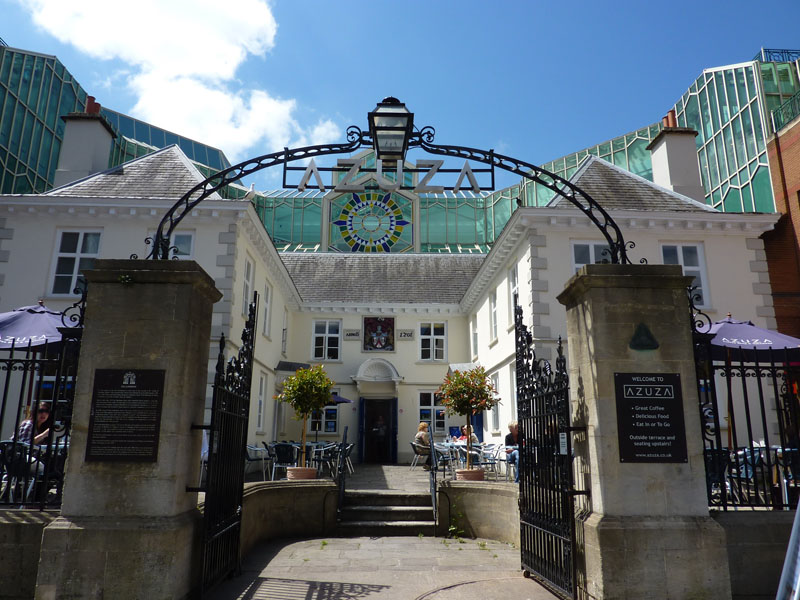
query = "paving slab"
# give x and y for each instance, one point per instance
(386, 568)
(382, 568)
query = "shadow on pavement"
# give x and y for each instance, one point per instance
(271, 588)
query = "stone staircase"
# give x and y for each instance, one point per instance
(371, 513)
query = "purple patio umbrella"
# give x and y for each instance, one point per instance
(748, 342)
(340, 399)
(36, 325)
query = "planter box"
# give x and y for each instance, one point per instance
(301, 473)
(469, 474)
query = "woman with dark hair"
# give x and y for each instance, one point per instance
(37, 433)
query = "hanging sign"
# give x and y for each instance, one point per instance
(650, 417)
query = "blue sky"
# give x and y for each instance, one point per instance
(534, 79)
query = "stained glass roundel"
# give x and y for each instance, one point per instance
(371, 222)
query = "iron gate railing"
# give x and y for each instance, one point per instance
(34, 380)
(750, 417)
(341, 474)
(227, 441)
(546, 491)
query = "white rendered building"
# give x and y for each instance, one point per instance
(386, 325)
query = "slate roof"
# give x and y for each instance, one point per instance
(165, 173)
(614, 188)
(398, 278)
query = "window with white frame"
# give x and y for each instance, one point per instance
(181, 244)
(513, 388)
(325, 421)
(473, 323)
(690, 257)
(432, 340)
(262, 390)
(76, 251)
(495, 379)
(327, 339)
(589, 253)
(432, 412)
(493, 314)
(267, 302)
(247, 285)
(285, 331)
(513, 290)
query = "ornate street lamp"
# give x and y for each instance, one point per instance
(390, 126)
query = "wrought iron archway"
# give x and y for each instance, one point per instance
(423, 139)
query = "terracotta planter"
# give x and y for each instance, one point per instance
(469, 474)
(301, 473)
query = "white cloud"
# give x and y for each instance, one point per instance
(183, 56)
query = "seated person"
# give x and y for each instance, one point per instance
(512, 439)
(30, 434)
(423, 440)
(33, 434)
(466, 430)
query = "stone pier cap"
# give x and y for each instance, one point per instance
(622, 276)
(131, 271)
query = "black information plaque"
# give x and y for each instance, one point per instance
(650, 417)
(125, 417)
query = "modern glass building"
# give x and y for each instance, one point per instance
(35, 91)
(731, 107)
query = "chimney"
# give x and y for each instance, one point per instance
(86, 144)
(674, 157)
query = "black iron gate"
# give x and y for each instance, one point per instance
(750, 417)
(227, 440)
(547, 515)
(37, 388)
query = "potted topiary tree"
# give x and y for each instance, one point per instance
(307, 390)
(467, 393)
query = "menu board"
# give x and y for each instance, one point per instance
(125, 417)
(650, 417)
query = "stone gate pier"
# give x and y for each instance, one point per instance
(647, 533)
(128, 526)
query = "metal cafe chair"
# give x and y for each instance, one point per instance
(326, 457)
(751, 482)
(285, 457)
(254, 454)
(417, 453)
(445, 459)
(15, 472)
(347, 460)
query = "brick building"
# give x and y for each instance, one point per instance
(782, 244)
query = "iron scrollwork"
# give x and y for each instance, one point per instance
(73, 316)
(423, 139)
(617, 246)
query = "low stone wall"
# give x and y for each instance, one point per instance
(283, 509)
(480, 509)
(20, 543)
(757, 542)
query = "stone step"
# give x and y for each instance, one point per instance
(387, 513)
(385, 528)
(386, 498)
